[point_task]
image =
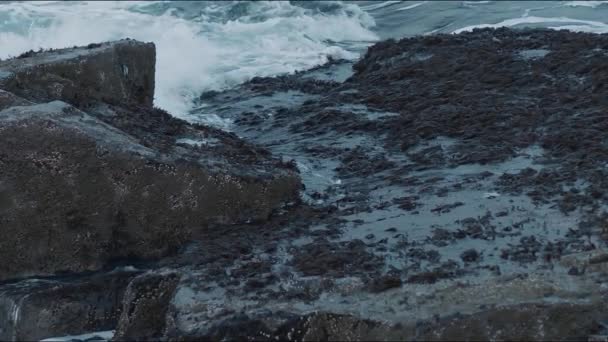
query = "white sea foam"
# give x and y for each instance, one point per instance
(408, 7)
(592, 4)
(210, 51)
(476, 2)
(105, 335)
(582, 25)
(380, 5)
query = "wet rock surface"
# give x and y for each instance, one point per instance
(40, 308)
(80, 189)
(145, 304)
(453, 188)
(92, 174)
(116, 72)
(450, 187)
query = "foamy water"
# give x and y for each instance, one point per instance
(206, 45)
(212, 46)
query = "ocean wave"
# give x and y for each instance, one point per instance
(592, 4)
(412, 6)
(583, 25)
(200, 45)
(376, 6)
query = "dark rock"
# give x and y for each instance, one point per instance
(114, 72)
(336, 259)
(446, 208)
(77, 192)
(31, 310)
(79, 189)
(430, 277)
(529, 322)
(421, 254)
(526, 251)
(470, 255)
(384, 283)
(407, 203)
(451, 100)
(598, 259)
(145, 305)
(9, 100)
(575, 271)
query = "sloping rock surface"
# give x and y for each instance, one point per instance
(40, 308)
(457, 185)
(91, 174)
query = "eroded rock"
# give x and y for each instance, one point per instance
(114, 72)
(79, 189)
(31, 310)
(145, 306)
(76, 192)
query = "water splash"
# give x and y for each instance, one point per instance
(200, 45)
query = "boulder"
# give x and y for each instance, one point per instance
(76, 192)
(31, 310)
(114, 72)
(145, 306)
(121, 180)
(9, 99)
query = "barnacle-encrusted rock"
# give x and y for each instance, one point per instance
(114, 72)
(78, 189)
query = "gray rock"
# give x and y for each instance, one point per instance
(145, 305)
(8, 100)
(114, 72)
(76, 192)
(526, 322)
(35, 309)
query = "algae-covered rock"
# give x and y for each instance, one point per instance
(78, 189)
(145, 305)
(113, 72)
(76, 192)
(31, 310)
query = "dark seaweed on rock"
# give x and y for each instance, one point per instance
(92, 172)
(478, 87)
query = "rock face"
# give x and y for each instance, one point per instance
(117, 72)
(457, 186)
(8, 100)
(37, 309)
(77, 192)
(146, 304)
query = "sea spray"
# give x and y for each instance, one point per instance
(200, 45)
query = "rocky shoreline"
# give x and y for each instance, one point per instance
(445, 187)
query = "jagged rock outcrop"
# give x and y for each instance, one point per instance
(114, 72)
(145, 306)
(77, 192)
